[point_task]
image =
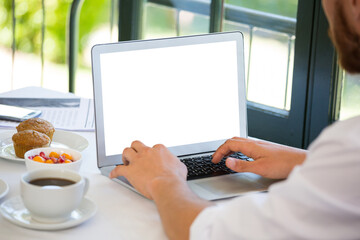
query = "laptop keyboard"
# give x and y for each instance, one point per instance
(201, 167)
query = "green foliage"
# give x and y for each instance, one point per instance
(286, 8)
(94, 13)
(29, 18)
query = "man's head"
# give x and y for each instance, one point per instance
(344, 31)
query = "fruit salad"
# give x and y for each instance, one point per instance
(53, 158)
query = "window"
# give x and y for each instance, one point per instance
(182, 17)
(293, 84)
(350, 96)
(33, 42)
(269, 29)
(32, 39)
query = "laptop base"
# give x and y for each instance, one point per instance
(215, 188)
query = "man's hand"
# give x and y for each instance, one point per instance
(271, 160)
(144, 166)
(160, 176)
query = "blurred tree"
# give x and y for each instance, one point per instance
(29, 20)
(94, 13)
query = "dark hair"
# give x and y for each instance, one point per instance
(346, 41)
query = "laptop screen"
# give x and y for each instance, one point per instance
(174, 95)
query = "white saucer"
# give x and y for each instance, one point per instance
(14, 211)
(61, 139)
(4, 188)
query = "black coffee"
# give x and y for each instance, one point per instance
(51, 182)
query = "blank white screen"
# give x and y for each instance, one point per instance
(174, 95)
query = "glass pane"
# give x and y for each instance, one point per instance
(27, 38)
(350, 97)
(5, 23)
(269, 39)
(5, 44)
(286, 8)
(268, 68)
(30, 17)
(290, 72)
(182, 18)
(160, 21)
(245, 29)
(191, 23)
(55, 68)
(96, 19)
(268, 28)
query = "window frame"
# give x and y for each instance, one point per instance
(315, 86)
(290, 129)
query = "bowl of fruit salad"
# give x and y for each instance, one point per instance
(53, 158)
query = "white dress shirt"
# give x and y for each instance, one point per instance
(319, 200)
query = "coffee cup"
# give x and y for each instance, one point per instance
(51, 195)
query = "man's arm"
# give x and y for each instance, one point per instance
(178, 206)
(159, 175)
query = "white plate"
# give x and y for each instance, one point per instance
(61, 139)
(4, 188)
(14, 211)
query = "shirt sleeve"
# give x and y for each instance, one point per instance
(319, 200)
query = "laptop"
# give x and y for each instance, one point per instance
(187, 93)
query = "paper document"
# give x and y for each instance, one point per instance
(75, 114)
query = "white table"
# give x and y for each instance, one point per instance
(121, 213)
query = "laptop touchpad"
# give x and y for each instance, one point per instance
(231, 185)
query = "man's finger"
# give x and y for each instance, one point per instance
(242, 145)
(128, 155)
(119, 170)
(225, 150)
(241, 165)
(220, 153)
(159, 146)
(138, 146)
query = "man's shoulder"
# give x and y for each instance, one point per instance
(344, 129)
(340, 135)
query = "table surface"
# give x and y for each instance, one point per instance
(121, 213)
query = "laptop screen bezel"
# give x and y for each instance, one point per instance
(99, 49)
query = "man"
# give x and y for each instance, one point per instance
(320, 199)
